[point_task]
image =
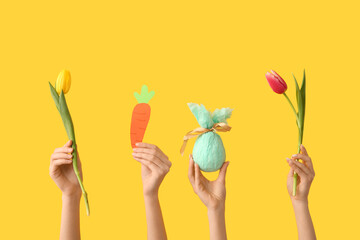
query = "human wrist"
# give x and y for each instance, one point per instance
(151, 195)
(216, 217)
(299, 205)
(71, 197)
(217, 210)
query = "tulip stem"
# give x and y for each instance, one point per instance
(62, 107)
(293, 108)
(77, 173)
(295, 174)
(299, 141)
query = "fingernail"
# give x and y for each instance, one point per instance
(136, 144)
(134, 149)
(134, 154)
(295, 155)
(288, 159)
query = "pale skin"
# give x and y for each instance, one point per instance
(306, 174)
(62, 173)
(154, 167)
(212, 194)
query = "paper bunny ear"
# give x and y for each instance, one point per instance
(202, 115)
(220, 115)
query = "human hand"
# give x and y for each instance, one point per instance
(211, 193)
(62, 171)
(154, 166)
(306, 174)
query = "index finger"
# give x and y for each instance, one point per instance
(150, 146)
(191, 172)
(145, 145)
(65, 149)
(155, 153)
(306, 159)
(68, 143)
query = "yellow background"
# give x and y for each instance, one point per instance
(210, 52)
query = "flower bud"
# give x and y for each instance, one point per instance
(277, 84)
(63, 82)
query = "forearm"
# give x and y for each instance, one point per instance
(70, 219)
(217, 223)
(304, 223)
(155, 223)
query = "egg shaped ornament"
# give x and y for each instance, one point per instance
(209, 152)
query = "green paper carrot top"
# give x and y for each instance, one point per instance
(141, 115)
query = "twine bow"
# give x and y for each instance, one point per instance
(217, 127)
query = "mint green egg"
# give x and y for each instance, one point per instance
(209, 152)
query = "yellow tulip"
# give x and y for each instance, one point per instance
(63, 82)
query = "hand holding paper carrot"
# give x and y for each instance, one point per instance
(140, 115)
(154, 166)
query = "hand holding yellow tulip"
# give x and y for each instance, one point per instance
(62, 86)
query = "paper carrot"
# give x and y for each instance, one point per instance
(140, 116)
(279, 86)
(62, 86)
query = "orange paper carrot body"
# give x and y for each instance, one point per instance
(140, 116)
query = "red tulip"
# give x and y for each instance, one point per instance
(277, 84)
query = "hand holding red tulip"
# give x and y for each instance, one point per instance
(306, 173)
(279, 86)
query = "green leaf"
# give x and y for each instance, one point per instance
(66, 117)
(302, 91)
(301, 108)
(298, 97)
(297, 92)
(303, 96)
(55, 96)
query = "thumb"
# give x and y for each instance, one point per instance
(223, 170)
(68, 143)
